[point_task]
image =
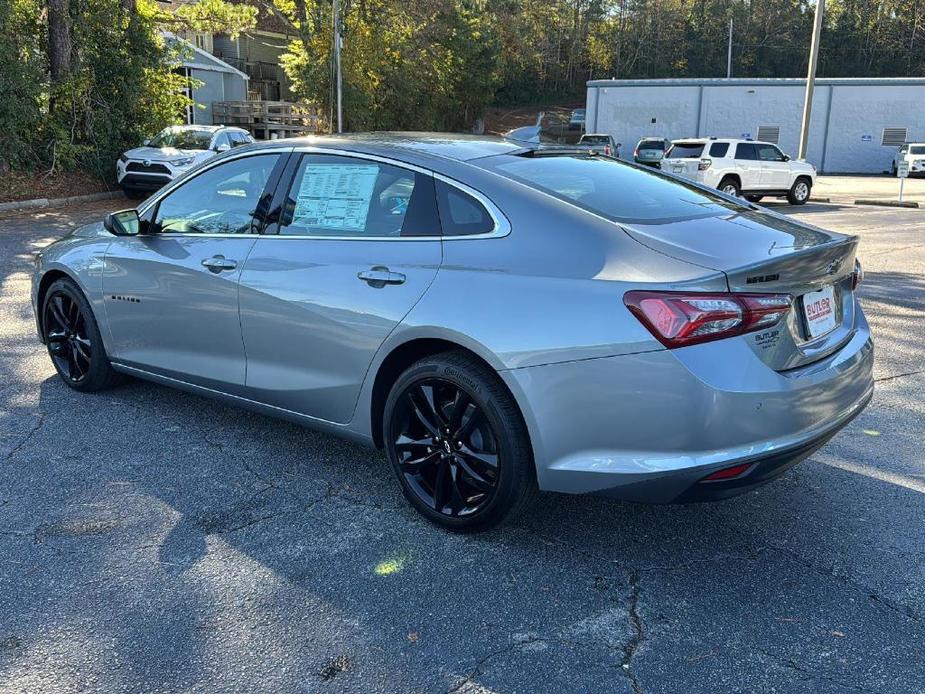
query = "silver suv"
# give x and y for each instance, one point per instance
(741, 167)
(174, 151)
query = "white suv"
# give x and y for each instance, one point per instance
(174, 151)
(914, 154)
(741, 167)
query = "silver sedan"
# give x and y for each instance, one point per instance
(500, 318)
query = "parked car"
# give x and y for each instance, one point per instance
(498, 317)
(650, 150)
(577, 120)
(604, 144)
(914, 154)
(174, 151)
(741, 167)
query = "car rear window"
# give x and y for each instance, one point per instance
(685, 150)
(719, 149)
(917, 150)
(594, 140)
(611, 188)
(651, 144)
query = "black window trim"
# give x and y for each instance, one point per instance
(502, 225)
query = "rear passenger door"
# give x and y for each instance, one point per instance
(775, 169)
(748, 165)
(355, 241)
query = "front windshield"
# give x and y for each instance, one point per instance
(611, 188)
(183, 138)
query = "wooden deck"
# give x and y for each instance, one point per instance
(269, 120)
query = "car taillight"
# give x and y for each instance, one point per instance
(858, 275)
(704, 164)
(607, 150)
(677, 319)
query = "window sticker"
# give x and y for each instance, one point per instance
(335, 196)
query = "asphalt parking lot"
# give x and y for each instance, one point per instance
(154, 541)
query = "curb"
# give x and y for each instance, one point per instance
(58, 202)
(887, 203)
(820, 200)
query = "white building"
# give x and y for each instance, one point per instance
(856, 126)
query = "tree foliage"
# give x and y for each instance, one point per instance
(82, 80)
(438, 63)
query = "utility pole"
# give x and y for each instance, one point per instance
(811, 79)
(729, 52)
(337, 71)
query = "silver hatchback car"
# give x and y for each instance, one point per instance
(498, 318)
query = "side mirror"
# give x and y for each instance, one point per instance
(124, 223)
(146, 143)
(223, 148)
(786, 157)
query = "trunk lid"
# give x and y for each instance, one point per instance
(767, 253)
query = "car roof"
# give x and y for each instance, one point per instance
(449, 146)
(706, 140)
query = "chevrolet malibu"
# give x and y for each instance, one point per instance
(500, 318)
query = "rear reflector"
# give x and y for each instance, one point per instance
(678, 319)
(728, 473)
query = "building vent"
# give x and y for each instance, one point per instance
(769, 133)
(893, 137)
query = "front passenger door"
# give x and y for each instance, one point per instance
(171, 293)
(775, 169)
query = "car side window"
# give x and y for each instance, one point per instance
(769, 153)
(904, 149)
(333, 195)
(460, 213)
(220, 200)
(746, 150)
(719, 149)
(220, 139)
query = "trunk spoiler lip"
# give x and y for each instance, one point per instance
(836, 240)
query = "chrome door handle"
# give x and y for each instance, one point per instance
(217, 263)
(379, 276)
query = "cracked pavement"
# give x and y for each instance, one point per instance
(155, 541)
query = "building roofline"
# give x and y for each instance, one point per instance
(759, 82)
(212, 63)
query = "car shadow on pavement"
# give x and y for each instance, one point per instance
(188, 538)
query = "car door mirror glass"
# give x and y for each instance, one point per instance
(123, 223)
(146, 143)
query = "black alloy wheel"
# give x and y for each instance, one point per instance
(447, 451)
(458, 443)
(73, 339)
(67, 336)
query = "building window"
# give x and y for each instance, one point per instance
(769, 133)
(893, 137)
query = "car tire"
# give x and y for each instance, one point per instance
(458, 443)
(729, 186)
(799, 192)
(754, 198)
(73, 339)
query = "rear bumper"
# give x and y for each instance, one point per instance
(649, 427)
